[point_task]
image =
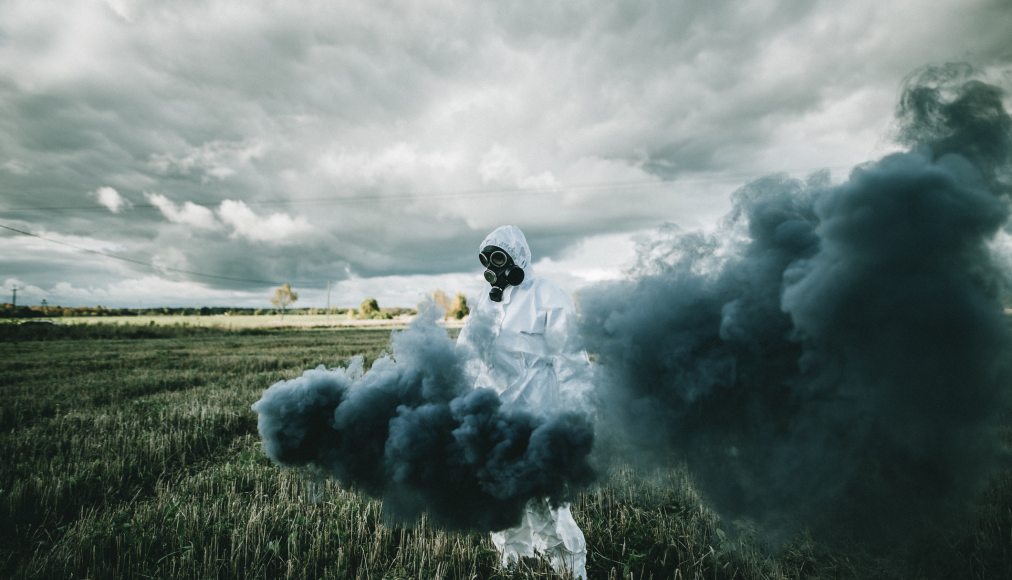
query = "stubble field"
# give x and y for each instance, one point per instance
(132, 452)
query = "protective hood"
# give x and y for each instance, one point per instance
(511, 239)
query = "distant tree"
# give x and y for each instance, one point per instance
(452, 308)
(283, 296)
(442, 300)
(369, 309)
(458, 308)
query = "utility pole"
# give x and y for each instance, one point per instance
(328, 297)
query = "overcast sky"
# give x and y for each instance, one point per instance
(374, 144)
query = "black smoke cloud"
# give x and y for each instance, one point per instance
(835, 357)
(413, 432)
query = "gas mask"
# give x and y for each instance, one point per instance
(500, 271)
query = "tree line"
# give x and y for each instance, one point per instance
(455, 308)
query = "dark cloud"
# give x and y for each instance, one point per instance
(382, 106)
(835, 357)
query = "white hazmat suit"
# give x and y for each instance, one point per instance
(526, 349)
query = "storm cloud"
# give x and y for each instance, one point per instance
(376, 140)
(835, 357)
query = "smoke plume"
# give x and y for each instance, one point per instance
(835, 357)
(413, 432)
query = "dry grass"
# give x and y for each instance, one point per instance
(247, 321)
(139, 458)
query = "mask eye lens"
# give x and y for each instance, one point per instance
(483, 259)
(498, 259)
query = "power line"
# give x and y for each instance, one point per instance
(462, 194)
(459, 194)
(476, 193)
(143, 263)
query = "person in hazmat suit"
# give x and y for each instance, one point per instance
(520, 340)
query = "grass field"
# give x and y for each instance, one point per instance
(242, 321)
(132, 454)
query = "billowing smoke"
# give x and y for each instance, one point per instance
(412, 432)
(836, 356)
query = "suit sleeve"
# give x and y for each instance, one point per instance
(473, 344)
(572, 366)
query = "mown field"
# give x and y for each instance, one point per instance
(132, 452)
